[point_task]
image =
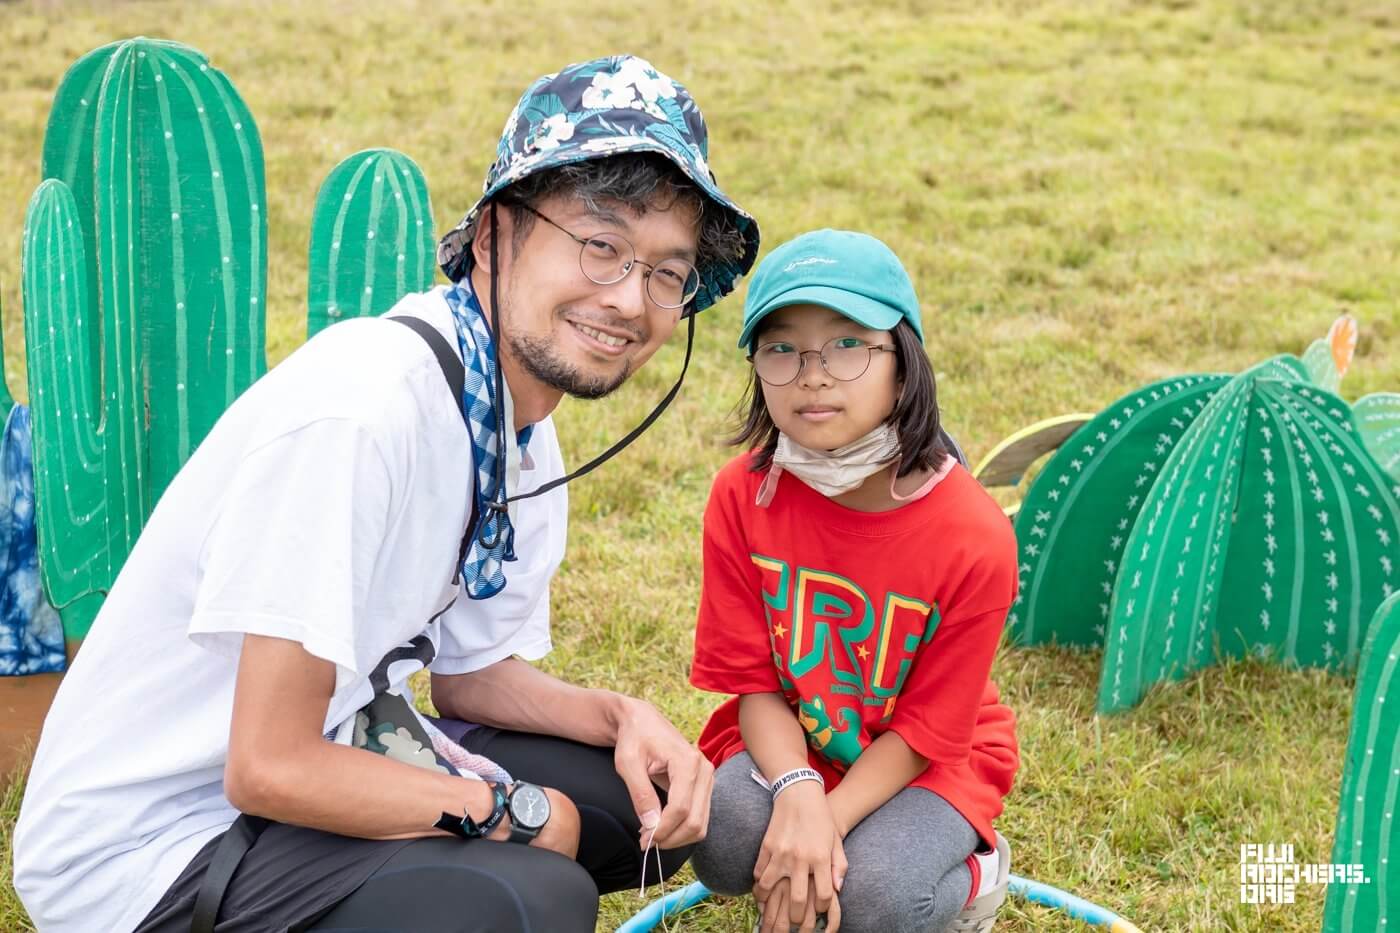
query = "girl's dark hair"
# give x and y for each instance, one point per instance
(915, 415)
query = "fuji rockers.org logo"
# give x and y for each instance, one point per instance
(1268, 874)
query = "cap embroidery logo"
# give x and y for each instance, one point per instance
(813, 260)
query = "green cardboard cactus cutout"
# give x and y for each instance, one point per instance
(1366, 827)
(1378, 418)
(1270, 532)
(1212, 516)
(165, 168)
(1328, 359)
(371, 238)
(1073, 525)
(69, 476)
(7, 401)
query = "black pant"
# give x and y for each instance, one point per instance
(303, 879)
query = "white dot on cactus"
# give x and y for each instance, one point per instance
(169, 135)
(216, 174)
(397, 196)
(174, 215)
(369, 289)
(420, 223)
(179, 387)
(83, 101)
(200, 109)
(330, 309)
(225, 259)
(347, 196)
(157, 77)
(371, 234)
(203, 67)
(62, 276)
(179, 306)
(140, 54)
(255, 207)
(335, 245)
(400, 257)
(238, 126)
(228, 352)
(65, 487)
(255, 299)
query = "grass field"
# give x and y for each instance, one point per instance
(1089, 195)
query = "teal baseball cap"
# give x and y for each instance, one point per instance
(853, 274)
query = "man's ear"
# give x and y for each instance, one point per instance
(493, 215)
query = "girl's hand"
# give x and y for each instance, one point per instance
(794, 868)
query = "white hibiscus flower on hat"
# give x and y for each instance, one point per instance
(609, 90)
(651, 84)
(552, 131)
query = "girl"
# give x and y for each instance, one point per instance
(856, 581)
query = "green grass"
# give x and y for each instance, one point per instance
(1089, 196)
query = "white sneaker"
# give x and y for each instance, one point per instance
(981, 914)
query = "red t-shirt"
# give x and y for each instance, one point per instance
(865, 621)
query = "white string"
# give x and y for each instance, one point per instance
(660, 876)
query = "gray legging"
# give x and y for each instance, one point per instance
(907, 869)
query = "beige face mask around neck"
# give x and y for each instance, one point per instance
(833, 472)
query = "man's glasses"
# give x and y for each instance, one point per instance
(844, 359)
(606, 258)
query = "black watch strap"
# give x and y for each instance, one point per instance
(468, 828)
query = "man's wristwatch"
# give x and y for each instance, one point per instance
(529, 811)
(468, 828)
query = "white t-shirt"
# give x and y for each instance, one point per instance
(326, 507)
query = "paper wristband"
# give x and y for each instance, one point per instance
(784, 781)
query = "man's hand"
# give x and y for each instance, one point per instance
(650, 749)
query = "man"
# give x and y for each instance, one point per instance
(254, 651)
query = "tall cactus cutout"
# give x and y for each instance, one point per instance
(371, 238)
(69, 478)
(165, 166)
(7, 401)
(1366, 827)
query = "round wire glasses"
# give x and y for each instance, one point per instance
(843, 358)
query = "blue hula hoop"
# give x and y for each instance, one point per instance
(1034, 891)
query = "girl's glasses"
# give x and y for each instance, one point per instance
(843, 358)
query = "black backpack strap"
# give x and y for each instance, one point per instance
(234, 844)
(456, 375)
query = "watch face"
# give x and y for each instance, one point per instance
(529, 807)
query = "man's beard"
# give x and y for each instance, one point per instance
(538, 357)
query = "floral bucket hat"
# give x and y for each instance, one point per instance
(595, 110)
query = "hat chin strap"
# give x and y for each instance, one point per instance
(500, 500)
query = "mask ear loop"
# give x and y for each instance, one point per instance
(660, 877)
